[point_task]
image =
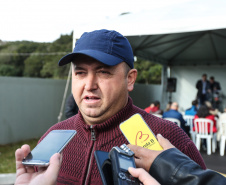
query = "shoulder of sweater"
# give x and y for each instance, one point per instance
(164, 127)
(65, 124)
(153, 120)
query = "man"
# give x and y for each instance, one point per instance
(174, 113)
(193, 110)
(214, 85)
(149, 108)
(215, 93)
(71, 107)
(102, 77)
(154, 108)
(203, 87)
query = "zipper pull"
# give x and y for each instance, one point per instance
(93, 135)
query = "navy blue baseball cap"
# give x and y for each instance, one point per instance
(106, 46)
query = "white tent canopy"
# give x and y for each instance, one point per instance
(187, 33)
(192, 33)
(192, 16)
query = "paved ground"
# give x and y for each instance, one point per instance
(7, 179)
(215, 161)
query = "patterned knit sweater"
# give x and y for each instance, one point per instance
(79, 165)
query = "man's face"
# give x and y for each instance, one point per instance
(100, 91)
(204, 77)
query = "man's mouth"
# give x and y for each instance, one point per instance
(91, 98)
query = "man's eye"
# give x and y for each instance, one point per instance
(79, 73)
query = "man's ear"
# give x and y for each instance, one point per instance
(131, 78)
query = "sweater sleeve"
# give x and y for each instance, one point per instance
(176, 136)
(191, 151)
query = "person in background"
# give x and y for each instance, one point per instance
(211, 109)
(204, 112)
(154, 108)
(174, 113)
(148, 109)
(203, 87)
(215, 88)
(71, 107)
(168, 106)
(193, 110)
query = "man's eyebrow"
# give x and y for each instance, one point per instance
(103, 67)
(97, 68)
(78, 68)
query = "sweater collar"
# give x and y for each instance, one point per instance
(109, 128)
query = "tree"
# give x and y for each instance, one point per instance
(12, 64)
(50, 66)
(40, 60)
(148, 72)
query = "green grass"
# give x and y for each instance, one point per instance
(7, 155)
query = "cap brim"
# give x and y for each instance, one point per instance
(100, 56)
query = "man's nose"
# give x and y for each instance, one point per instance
(91, 82)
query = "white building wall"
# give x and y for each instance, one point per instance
(187, 77)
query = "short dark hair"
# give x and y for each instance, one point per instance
(194, 102)
(203, 111)
(156, 103)
(127, 68)
(212, 78)
(204, 75)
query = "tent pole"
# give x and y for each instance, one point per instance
(164, 85)
(65, 95)
(169, 76)
(67, 84)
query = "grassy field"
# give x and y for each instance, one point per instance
(7, 155)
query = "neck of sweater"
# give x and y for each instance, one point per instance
(109, 129)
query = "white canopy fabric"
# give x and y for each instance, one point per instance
(190, 33)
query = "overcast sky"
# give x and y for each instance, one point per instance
(46, 20)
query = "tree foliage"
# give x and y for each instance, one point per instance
(40, 60)
(148, 72)
(32, 59)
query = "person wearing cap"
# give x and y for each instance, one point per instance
(103, 74)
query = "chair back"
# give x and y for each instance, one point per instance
(201, 126)
(157, 115)
(174, 120)
(189, 120)
(222, 127)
